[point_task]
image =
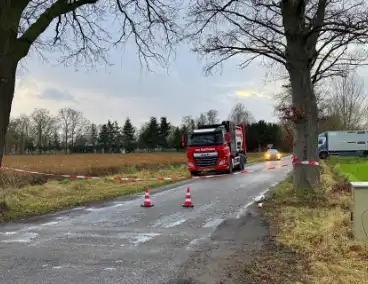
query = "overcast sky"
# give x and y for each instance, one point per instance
(128, 89)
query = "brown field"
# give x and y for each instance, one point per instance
(100, 164)
(94, 164)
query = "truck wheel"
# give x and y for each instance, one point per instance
(230, 170)
(323, 155)
(195, 174)
(242, 163)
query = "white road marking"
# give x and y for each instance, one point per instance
(23, 238)
(173, 224)
(50, 223)
(62, 218)
(168, 219)
(143, 238)
(197, 242)
(213, 223)
(96, 209)
(109, 269)
(8, 233)
(243, 210)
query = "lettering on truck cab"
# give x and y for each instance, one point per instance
(205, 149)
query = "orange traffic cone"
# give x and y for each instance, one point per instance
(147, 200)
(188, 199)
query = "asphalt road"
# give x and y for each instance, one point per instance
(121, 242)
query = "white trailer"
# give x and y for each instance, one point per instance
(343, 143)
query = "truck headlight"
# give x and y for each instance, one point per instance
(190, 165)
(222, 162)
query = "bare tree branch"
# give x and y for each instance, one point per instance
(82, 28)
(348, 101)
(333, 32)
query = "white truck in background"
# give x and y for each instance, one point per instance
(343, 143)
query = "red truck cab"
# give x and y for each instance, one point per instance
(216, 148)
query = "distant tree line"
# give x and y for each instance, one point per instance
(70, 132)
(342, 105)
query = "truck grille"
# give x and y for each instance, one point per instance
(205, 162)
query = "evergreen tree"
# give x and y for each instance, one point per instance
(80, 143)
(110, 136)
(29, 145)
(129, 139)
(118, 139)
(142, 139)
(56, 141)
(93, 137)
(176, 143)
(103, 137)
(152, 134)
(260, 134)
(164, 132)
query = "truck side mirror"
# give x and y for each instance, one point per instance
(227, 136)
(183, 141)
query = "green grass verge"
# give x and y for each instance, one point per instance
(311, 237)
(354, 168)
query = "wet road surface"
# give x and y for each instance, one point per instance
(122, 242)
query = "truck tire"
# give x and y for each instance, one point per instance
(323, 155)
(195, 174)
(230, 170)
(242, 163)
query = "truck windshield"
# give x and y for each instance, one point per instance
(321, 140)
(205, 139)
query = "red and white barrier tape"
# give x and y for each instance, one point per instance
(295, 161)
(311, 163)
(136, 178)
(91, 177)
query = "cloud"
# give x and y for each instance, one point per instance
(56, 95)
(252, 93)
(29, 93)
(120, 91)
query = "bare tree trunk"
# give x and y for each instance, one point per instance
(10, 12)
(7, 86)
(8, 68)
(306, 115)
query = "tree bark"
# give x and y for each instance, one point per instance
(9, 21)
(7, 86)
(299, 56)
(306, 135)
